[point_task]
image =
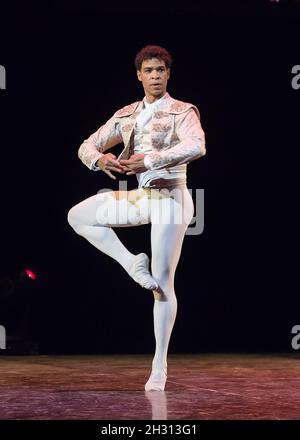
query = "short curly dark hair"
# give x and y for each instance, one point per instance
(149, 52)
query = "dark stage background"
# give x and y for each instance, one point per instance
(69, 67)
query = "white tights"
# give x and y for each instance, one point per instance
(170, 212)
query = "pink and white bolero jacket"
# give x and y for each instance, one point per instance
(176, 135)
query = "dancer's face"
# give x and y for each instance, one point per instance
(154, 76)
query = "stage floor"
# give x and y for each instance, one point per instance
(199, 387)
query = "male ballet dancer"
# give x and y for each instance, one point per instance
(161, 136)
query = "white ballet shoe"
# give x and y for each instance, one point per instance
(157, 380)
(139, 271)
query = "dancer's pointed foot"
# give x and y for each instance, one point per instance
(157, 380)
(139, 271)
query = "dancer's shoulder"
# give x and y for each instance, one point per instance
(178, 107)
(127, 110)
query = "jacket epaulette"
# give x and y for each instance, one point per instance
(179, 107)
(127, 110)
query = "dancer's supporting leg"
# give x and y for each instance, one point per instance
(166, 241)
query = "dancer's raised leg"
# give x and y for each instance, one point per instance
(94, 218)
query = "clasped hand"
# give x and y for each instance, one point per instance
(134, 165)
(108, 162)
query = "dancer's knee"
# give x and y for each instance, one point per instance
(160, 272)
(73, 219)
(164, 279)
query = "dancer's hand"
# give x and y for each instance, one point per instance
(134, 165)
(108, 163)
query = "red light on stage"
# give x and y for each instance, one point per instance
(30, 274)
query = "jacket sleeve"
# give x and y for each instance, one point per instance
(191, 144)
(107, 136)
